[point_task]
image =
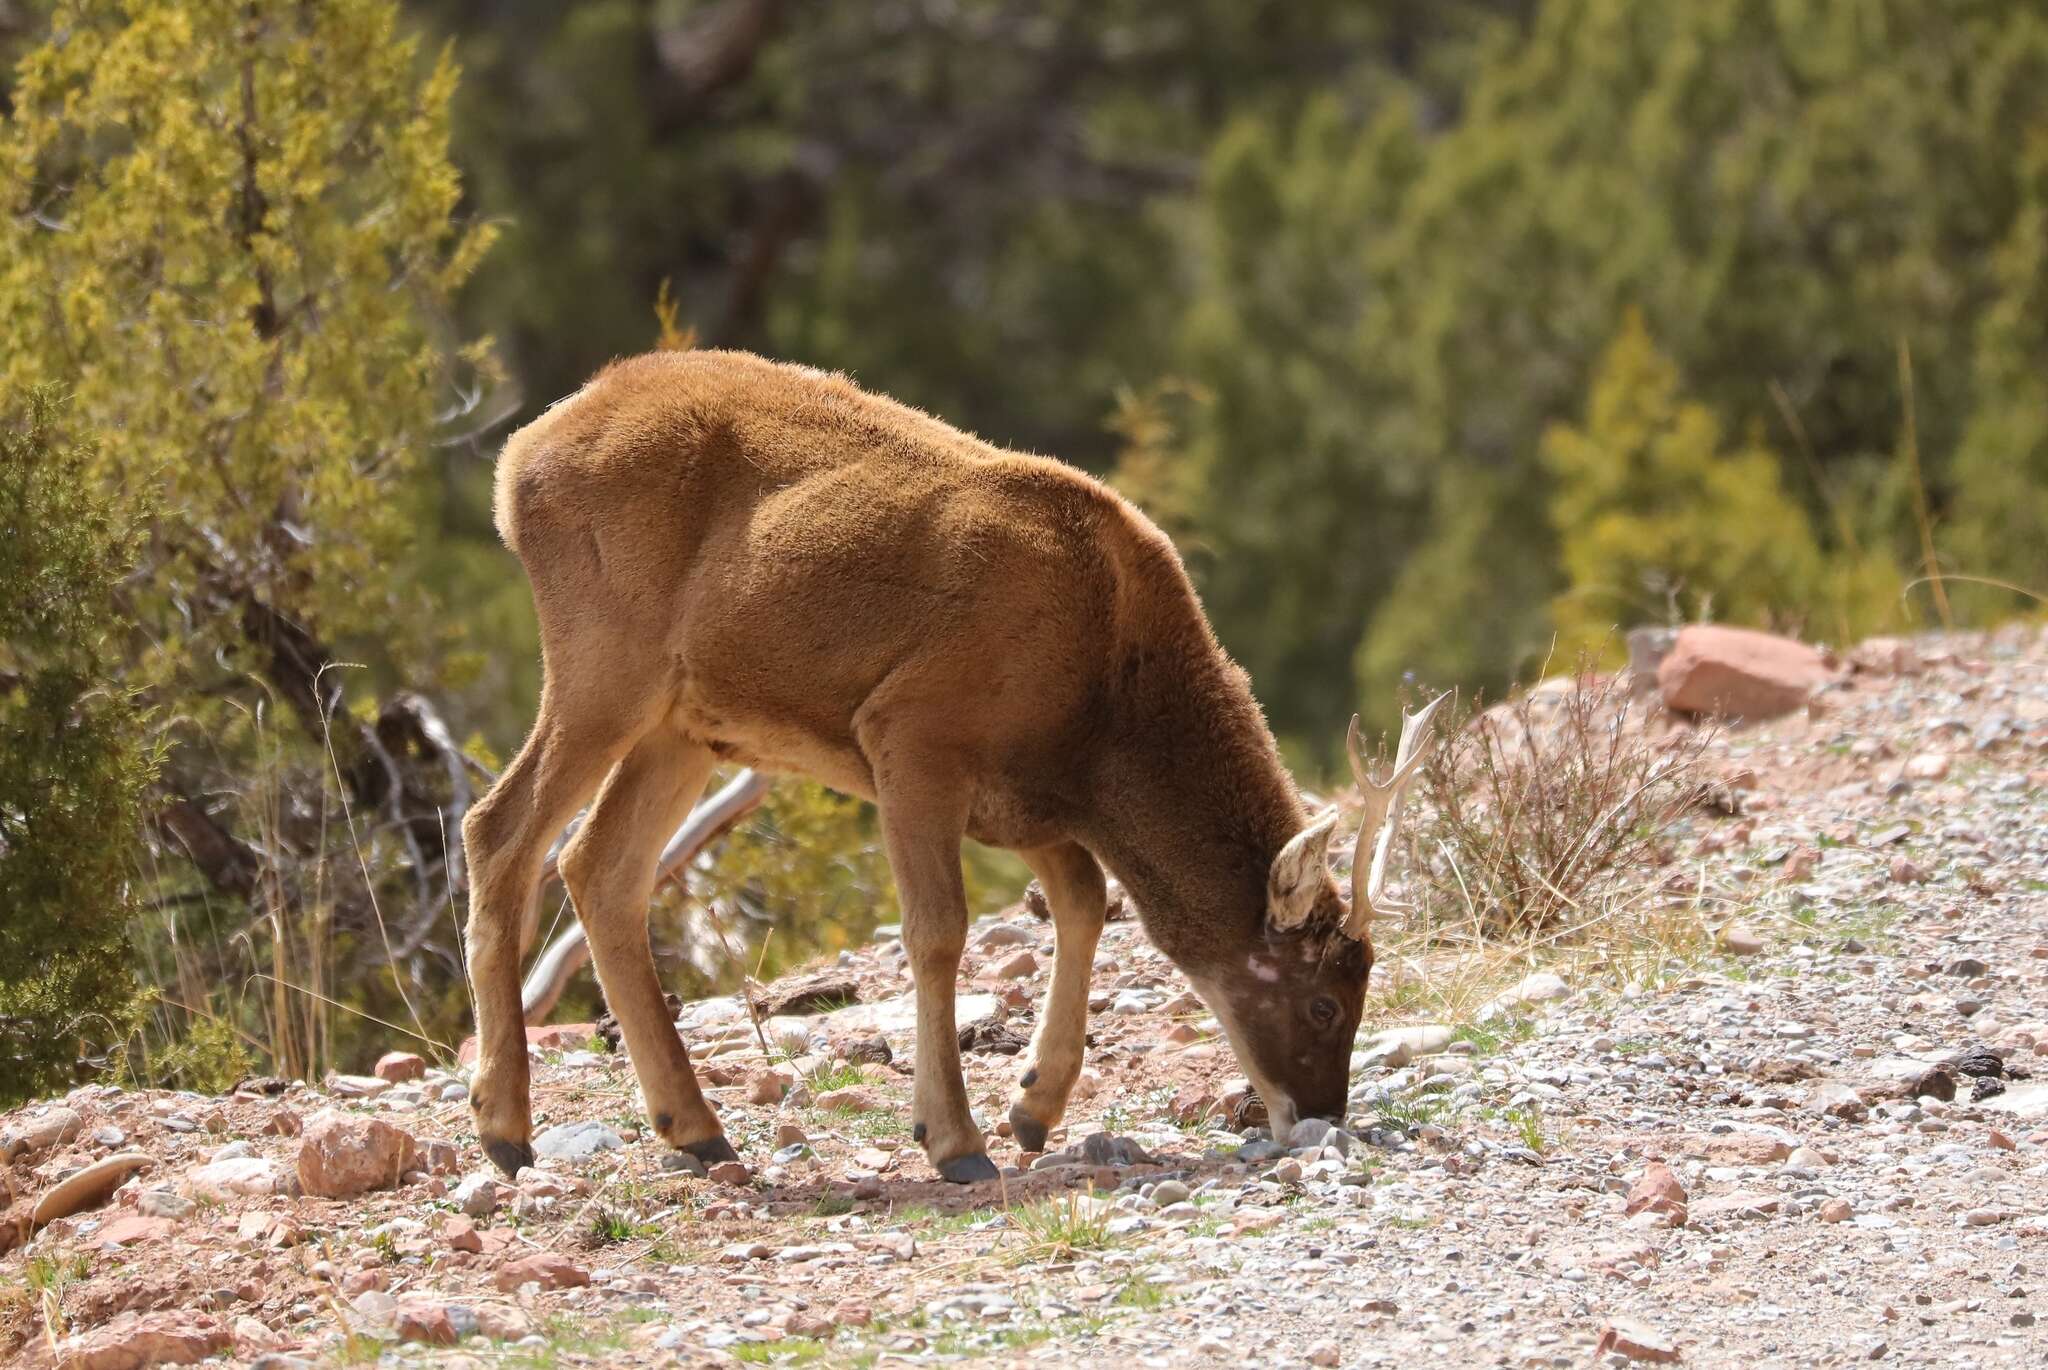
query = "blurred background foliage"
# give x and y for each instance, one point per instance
(1443, 335)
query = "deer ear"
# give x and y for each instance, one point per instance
(1298, 873)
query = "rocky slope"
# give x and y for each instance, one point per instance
(1818, 1136)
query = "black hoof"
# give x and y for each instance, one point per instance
(509, 1157)
(968, 1170)
(712, 1150)
(1029, 1132)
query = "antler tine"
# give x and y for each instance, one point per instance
(1383, 800)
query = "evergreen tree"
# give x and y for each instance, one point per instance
(73, 760)
(229, 234)
(1792, 194)
(1655, 520)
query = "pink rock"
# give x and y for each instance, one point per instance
(342, 1155)
(425, 1320)
(732, 1173)
(459, 1234)
(1738, 673)
(1657, 1190)
(1636, 1341)
(548, 1037)
(399, 1066)
(130, 1229)
(543, 1268)
(131, 1341)
(1017, 967)
(767, 1087)
(363, 1281)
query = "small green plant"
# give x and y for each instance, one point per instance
(831, 1205)
(609, 1226)
(386, 1247)
(1056, 1229)
(1142, 1293)
(1528, 1124)
(788, 1351)
(844, 1075)
(1411, 1111)
(47, 1274)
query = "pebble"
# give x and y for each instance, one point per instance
(577, 1141)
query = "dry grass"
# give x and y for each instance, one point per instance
(1540, 842)
(1535, 806)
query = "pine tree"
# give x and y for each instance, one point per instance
(1655, 519)
(230, 234)
(74, 761)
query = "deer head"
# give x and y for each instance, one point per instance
(1292, 1011)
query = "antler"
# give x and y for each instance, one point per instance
(1383, 812)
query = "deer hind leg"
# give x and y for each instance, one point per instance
(609, 867)
(922, 828)
(504, 838)
(1075, 890)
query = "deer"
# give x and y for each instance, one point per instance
(736, 560)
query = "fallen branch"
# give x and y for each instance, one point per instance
(569, 952)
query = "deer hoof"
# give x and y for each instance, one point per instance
(508, 1156)
(1029, 1132)
(971, 1169)
(711, 1150)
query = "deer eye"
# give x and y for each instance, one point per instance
(1323, 1010)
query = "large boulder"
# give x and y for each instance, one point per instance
(1738, 673)
(342, 1154)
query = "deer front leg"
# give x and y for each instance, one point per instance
(1075, 890)
(922, 832)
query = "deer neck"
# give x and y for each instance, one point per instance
(1191, 819)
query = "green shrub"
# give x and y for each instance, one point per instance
(73, 762)
(1656, 519)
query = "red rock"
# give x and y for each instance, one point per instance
(852, 1099)
(1905, 872)
(441, 1158)
(424, 1320)
(1738, 673)
(1637, 1342)
(399, 1067)
(459, 1234)
(768, 1086)
(548, 1037)
(1657, 1190)
(363, 1281)
(732, 1172)
(1801, 863)
(283, 1123)
(543, 1268)
(1016, 967)
(852, 1314)
(344, 1154)
(134, 1340)
(130, 1229)
(1744, 1148)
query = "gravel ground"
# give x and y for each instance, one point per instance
(1808, 1135)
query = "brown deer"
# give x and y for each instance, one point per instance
(734, 559)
